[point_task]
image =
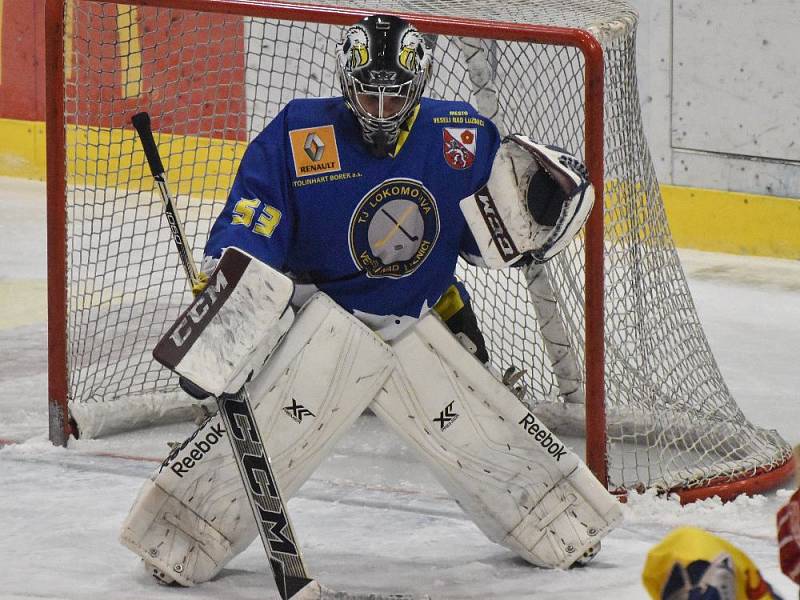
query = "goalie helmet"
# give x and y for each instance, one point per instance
(383, 65)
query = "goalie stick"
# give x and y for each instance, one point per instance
(276, 531)
(274, 527)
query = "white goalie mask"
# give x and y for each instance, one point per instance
(383, 65)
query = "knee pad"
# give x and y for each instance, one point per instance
(520, 484)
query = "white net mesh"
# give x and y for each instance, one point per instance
(212, 82)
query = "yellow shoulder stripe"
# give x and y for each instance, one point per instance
(405, 129)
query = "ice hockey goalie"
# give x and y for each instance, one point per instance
(360, 206)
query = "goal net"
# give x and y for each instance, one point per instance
(608, 329)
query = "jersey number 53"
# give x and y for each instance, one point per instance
(245, 210)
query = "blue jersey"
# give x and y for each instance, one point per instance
(380, 236)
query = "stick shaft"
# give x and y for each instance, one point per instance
(269, 509)
(141, 122)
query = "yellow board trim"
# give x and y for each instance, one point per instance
(733, 222)
(196, 166)
(702, 219)
(105, 157)
(22, 149)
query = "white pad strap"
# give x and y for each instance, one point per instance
(520, 484)
(193, 516)
(229, 330)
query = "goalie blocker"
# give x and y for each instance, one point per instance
(231, 327)
(536, 201)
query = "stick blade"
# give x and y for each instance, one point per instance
(300, 588)
(316, 591)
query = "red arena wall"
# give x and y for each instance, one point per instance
(137, 52)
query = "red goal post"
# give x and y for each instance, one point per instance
(628, 197)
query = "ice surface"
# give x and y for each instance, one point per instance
(371, 518)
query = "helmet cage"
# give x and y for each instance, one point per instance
(381, 93)
(410, 91)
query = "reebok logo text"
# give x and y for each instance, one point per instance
(197, 450)
(551, 444)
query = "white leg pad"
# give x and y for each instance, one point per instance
(520, 484)
(193, 516)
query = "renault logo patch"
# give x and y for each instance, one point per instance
(314, 151)
(314, 147)
(394, 228)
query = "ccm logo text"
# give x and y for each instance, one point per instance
(199, 309)
(254, 466)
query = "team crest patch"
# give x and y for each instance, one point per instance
(394, 228)
(314, 151)
(460, 146)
